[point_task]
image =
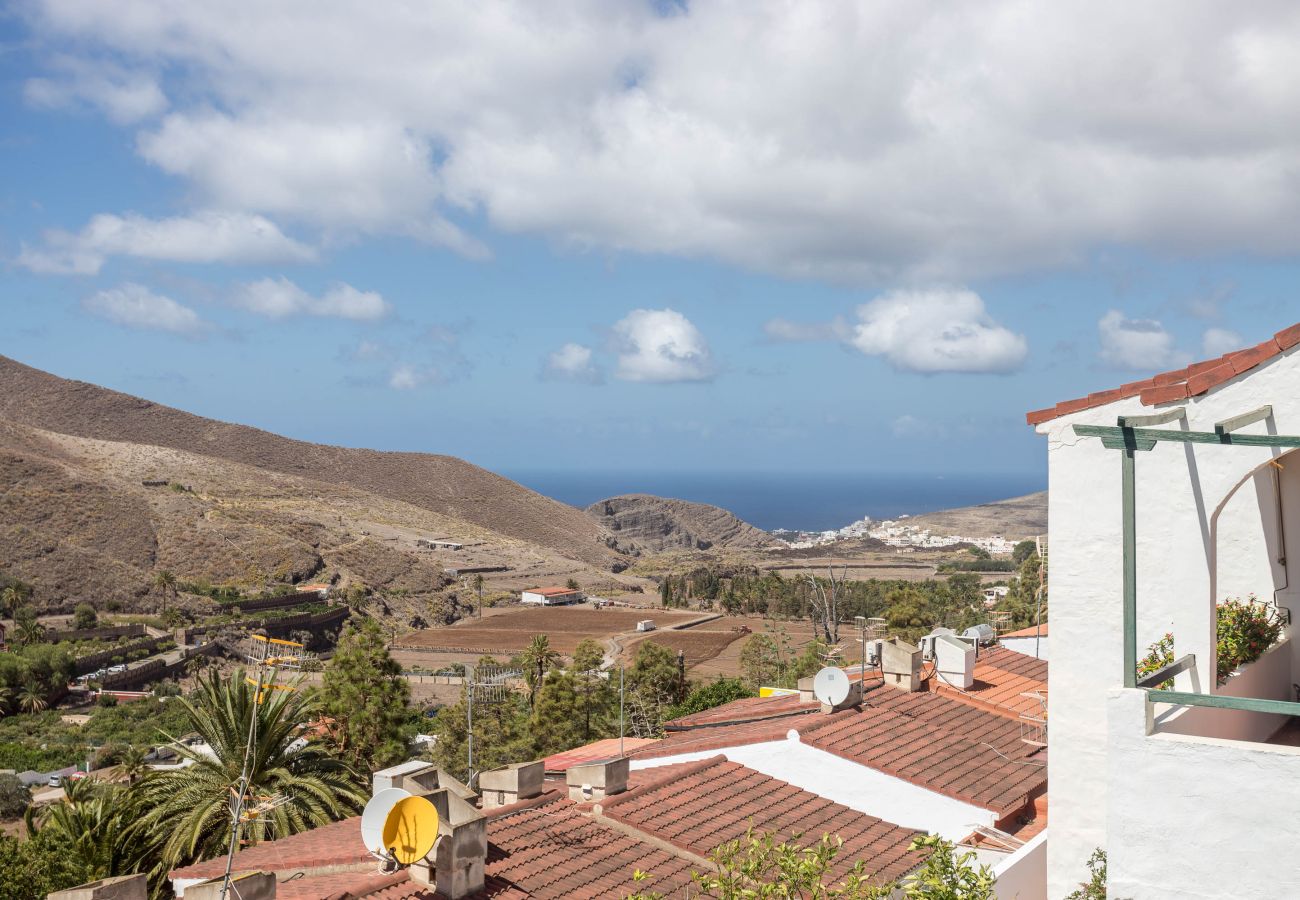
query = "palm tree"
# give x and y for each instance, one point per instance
(10, 597)
(537, 660)
(165, 581)
(31, 699)
(89, 826)
(131, 764)
(6, 695)
(478, 586)
(188, 810)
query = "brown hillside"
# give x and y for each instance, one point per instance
(643, 523)
(444, 485)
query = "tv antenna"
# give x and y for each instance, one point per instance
(487, 684)
(266, 655)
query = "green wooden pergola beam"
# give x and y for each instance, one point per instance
(1117, 438)
(1221, 701)
(1160, 418)
(1228, 426)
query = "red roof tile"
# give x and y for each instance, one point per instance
(330, 846)
(937, 742)
(699, 806)
(1193, 381)
(1031, 631)
(607, 748)
(747, 709)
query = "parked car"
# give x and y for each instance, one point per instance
(55, 781)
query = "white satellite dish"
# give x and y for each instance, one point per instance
(831, 686)
(375, 815)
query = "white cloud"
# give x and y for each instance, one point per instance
(722, 129)
(937, 331)
(1137, 344)
(797, 332)
(572, 362)
(1218, 341)
(123, 95)
(135, 306)
(406, 377)
(662, 346)
(205, 237)
(277, 298)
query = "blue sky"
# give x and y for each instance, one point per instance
(617, 238)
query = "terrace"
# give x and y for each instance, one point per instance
(1175, 507)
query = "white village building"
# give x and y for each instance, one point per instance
(1196, 499)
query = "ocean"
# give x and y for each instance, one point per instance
(796, 501)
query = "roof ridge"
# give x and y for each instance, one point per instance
(1180, 384)
(550, 795)
(685, 772)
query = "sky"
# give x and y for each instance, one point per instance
(630, 236)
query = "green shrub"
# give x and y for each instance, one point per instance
(1246, 629)
(1159, 655)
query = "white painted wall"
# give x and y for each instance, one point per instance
(1194, 817)
(1026, 645)
(1269, 678)
(1023, 875)
(1189, 538)
(856, 786)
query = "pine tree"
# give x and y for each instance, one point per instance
(363, 690)
(557, 719)
(596, 698)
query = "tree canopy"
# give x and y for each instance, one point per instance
(363, 691)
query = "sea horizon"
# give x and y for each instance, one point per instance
(795, 501)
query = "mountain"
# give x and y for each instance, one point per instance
(643, 523)
(230, 502)
(1016, 518)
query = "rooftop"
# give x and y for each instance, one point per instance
(552, 591)
(596, 751)
(699, 806)
(1031, 631)
(1169, 387)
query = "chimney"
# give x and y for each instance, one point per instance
(901, 664)
(249, 886)
(124, 887)
(418, 777)
(806, 694)
(954, 661)
(595, 781)
(461, 851)
(509, 784)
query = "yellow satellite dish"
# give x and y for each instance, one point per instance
(410, 830)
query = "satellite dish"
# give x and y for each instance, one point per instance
(411, 829)
(374, 817)
(831, 686)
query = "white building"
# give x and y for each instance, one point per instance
(552, 596)
(1193, 798)
(1031, 641)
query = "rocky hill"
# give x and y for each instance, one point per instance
(642, 523)
(1017, 518)
(100, 489)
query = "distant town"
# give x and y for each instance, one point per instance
(897, 533)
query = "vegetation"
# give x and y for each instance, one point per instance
(84, 616)
(757, 866)
(33, 676)
(187, 812)
(1158, 655)
(14, 796)
(767, 660)
(363, 692)
(1245, 631)
(1095, 887)
(709, 695)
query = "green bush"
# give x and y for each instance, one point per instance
(1159, 655)
(14, 797)
(1246, 629)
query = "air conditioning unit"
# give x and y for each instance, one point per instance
(927, 643)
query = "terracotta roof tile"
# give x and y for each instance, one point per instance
(607, 748)
(699, 806)
(330, 846)
(1180, 384)
(747, 709)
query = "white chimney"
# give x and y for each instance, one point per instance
(248, 886)
(954, 661)
(124, 887)
(900, 663)
(418, 777)
(460, 853)
(509, 784)
(594, 781)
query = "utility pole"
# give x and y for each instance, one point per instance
(861, 622)
(620, 708)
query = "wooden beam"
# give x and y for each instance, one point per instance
(1163, 674)
(1145, 438)
(1255, 415)
(1160, 418)
(1129, 480)
(1221, 701)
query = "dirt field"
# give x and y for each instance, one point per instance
(510, 630)
(794, 634)
(698, 645)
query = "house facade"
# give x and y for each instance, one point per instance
(1167, 498)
